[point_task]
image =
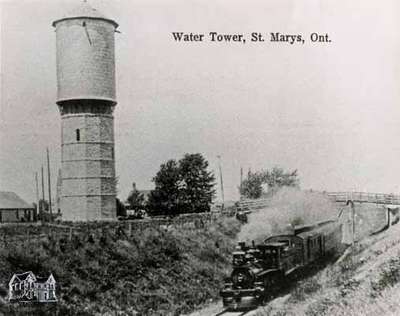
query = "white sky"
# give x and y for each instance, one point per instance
(332, 111)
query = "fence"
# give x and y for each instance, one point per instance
(363, 197)
(12, 233)
(248, 205)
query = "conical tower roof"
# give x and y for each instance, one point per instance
(85, 10)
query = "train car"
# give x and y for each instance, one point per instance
(259, 269)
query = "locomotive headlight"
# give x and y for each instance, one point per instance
(240, 278)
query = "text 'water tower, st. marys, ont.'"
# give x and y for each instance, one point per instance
(86, 99)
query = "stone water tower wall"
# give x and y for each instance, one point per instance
(85, 60)
(88, 172)
(86, 99)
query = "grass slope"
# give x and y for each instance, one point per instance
(154, 272)
(364, 281)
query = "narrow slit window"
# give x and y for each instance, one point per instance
(78, 135)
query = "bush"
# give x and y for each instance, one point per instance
(155, 272)
(389, 276)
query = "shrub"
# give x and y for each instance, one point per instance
(154, 272)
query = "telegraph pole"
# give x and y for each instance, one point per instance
(221, 181)
(37, 194)
(241, 181)
(48, 175)
(354, 222)
(42, 208)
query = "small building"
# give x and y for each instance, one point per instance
(26, 287)
(15, 209)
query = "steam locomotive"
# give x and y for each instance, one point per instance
(258, 270)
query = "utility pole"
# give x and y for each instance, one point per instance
(221, 181)
(42, 208)
(354, 222)
(37, 194)
(241, 181)
(48, 175)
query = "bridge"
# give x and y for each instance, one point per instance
(338, 197)
(364, 197)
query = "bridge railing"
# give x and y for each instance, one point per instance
(359, 197)
(365, 197)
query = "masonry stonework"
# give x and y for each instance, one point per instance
(85, 51)
(86, 99)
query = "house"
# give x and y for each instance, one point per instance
(15, 209)
(26, 287)
(45, 289)
(20, 286)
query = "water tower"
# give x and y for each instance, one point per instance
(86, 100)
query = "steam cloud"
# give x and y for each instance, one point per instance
(288, 207)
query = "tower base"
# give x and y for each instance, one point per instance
(89, 208)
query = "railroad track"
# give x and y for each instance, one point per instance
(226, 312)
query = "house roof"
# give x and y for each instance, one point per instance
(21, 276)
(41, 279)
(10, 200)
(49, 279)
(84, 10)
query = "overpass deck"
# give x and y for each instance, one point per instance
(338, 197)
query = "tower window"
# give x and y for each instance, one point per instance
(78, 135)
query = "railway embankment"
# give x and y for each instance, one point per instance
(366, 274)
(159, 270)
(364, 281)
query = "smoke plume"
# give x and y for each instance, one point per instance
(288, 207)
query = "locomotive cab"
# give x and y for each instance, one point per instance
(271, 254)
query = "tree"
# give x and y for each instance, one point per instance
(182, 187)
(136, 199)
(277, 178)
(252, 187)
(164, 199)
(197, 183)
